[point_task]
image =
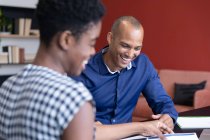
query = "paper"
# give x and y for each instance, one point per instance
(138, 137)
(178, 136)
(193, 122)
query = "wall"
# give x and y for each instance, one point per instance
(177, 32)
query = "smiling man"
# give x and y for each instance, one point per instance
(116, 77)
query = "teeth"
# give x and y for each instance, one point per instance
(85, 62)
(126, 59)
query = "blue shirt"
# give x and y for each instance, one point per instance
(116, 94)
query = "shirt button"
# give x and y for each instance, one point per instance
(113, 121)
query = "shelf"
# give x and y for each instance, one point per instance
(21, 3)
(10, 69)
(17, 36)
(2, 64)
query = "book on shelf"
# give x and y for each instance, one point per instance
(8, 50)
(27, 26)
(21, 55)
(15, 55)
(23, 26)
(19, 26)
(3, 57)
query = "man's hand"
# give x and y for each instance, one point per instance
(118, 131)
(156, 128)
(164, 118)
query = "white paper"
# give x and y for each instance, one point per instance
(178, 136)
(193, 122)
(134, 138)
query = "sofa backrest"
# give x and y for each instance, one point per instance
(170, 77)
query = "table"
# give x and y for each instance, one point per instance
(205, 111)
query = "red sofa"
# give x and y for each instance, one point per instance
(168, 79)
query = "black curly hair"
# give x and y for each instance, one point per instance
(59, 15)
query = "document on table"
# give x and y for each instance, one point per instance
(137, 137)
(178, 136)
(194, 122)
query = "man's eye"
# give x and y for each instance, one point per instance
(124, 46)
(137, 49)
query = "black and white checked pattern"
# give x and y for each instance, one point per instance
(38, 104)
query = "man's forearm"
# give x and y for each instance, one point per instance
(117, 131)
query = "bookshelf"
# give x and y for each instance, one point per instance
(29, 43)
(16, 10)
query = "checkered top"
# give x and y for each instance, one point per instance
(38, 103)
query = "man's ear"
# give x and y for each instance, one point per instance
(109, 37)
(66, 40)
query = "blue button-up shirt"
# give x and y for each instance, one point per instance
(116, 94)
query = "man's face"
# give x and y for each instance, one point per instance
(125, 45)
(83, 49)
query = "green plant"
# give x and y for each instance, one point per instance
(5, 23)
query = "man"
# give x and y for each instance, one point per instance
(117, 75)
(41, 102)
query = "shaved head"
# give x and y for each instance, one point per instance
(129, 19)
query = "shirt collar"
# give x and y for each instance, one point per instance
(130, 65)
